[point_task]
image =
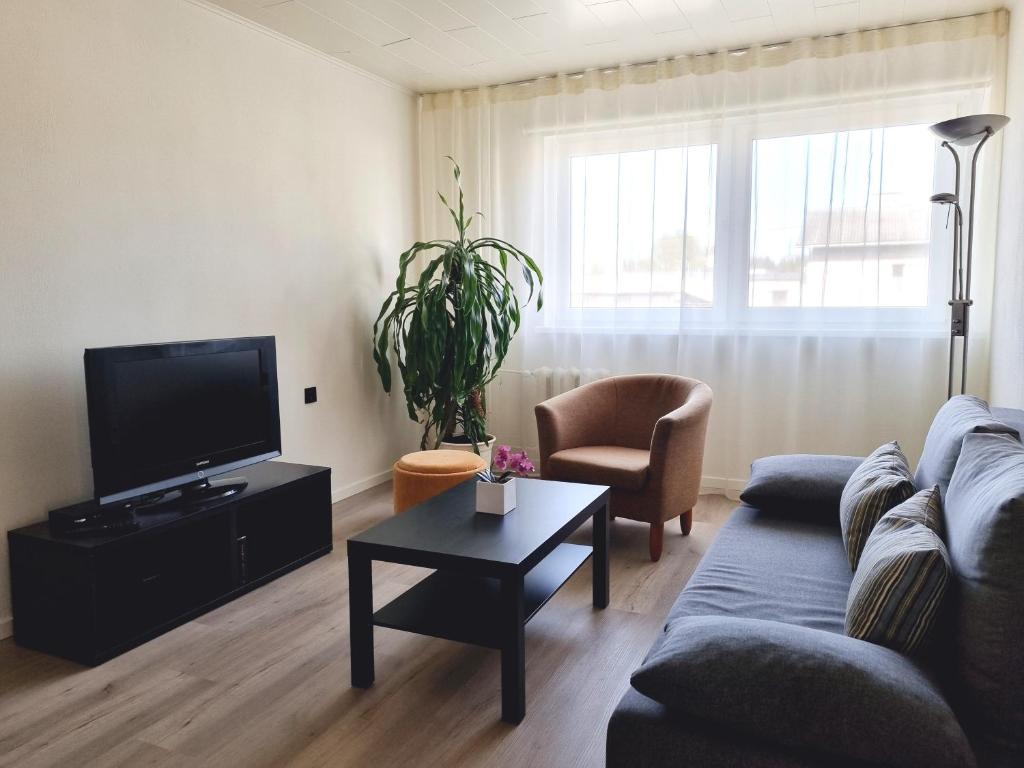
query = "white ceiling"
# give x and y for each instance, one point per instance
(435, 45)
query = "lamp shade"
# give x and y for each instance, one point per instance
(969, 129)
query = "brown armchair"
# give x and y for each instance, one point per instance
(642, 435)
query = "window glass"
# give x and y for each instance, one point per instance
(642, 229)
(841, 219)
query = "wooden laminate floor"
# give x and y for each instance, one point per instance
(264, 680)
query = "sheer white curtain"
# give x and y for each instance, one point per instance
(757, 219)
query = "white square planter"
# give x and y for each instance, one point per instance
(496, 498)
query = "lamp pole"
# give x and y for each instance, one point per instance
(963, 131)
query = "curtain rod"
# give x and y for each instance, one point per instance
(730, 51)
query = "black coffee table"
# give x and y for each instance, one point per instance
(492, 575)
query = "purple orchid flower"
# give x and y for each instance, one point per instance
(506, 464)
(502, 455)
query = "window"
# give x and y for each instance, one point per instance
(643, 228)
(836, 218)
(774, 221)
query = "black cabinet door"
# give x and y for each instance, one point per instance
(276, 530)
(163, 577)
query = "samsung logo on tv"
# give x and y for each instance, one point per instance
(202, 463)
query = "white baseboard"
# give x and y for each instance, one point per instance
(729, 487)
(6, 627)
(726, 486)
(344, 491)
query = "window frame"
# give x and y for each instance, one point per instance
(734, 136)
(558, 153)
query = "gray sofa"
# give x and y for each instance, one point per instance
(754, 667)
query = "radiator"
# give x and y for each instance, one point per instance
(543, 383)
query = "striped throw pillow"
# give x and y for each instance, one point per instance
(898, 588)
(881, 482)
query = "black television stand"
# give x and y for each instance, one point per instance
(90, 598)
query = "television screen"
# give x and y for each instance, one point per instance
(166, 415)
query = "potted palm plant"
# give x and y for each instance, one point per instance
(450, 328)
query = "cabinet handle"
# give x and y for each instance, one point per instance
(243, 558)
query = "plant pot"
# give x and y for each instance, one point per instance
(496, 498)
(484, 449)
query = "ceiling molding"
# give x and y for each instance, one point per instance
(212, 7)
(429, 46)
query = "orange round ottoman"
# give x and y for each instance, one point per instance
(423, 474)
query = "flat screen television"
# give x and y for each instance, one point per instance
(171, 416)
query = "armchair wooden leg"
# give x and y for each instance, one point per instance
(657, 537)
(686, 522)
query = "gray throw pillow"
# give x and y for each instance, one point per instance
(984, 519)
(1011, 417)
(799, 483)
(959, 416)
(804, 688)
(881, 482)
(897, 591)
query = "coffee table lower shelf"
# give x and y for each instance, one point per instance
(466, 609)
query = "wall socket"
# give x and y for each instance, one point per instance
(310, 395)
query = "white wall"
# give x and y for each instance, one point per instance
(1007, 350)
(168, 172)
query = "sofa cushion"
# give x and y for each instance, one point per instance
(959, 416)
(602, 465)
(643, 733)
(984, 518)
(1011, 417)
(441, 462)
(881, 482)
(799, 483)
(802, 687)
(767, 566)
(898, 588)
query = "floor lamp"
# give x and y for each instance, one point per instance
(963, 132)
